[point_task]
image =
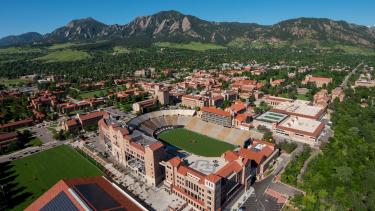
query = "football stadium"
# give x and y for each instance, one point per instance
(180, 151)
(166, 125)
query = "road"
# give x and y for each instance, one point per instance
(29, 151)
(40, 132)
(345, 82)
(43, 134)
(258, 201)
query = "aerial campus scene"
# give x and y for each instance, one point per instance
(183, 105)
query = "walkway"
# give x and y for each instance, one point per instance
(303, 169)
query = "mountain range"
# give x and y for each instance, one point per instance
(173, 26)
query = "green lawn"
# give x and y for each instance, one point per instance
(12, 82)
(121, 49)
(92, 94)
(355, 50)
(29, 177)
(302, 97)
(195, 143)
(195, 46)
(35, 142)
(64, 56)
(20, 50)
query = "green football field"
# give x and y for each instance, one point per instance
(26, 179)
(195, 143)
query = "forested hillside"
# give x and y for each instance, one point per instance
(343, 177)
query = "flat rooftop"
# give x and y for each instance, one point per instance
(299, 107)
(301, 124)
(271, 117)
(142, 139)
(205, 165)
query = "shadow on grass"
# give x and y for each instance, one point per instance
(11, 191)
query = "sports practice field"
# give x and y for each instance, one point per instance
(195, 143)
(28, 178)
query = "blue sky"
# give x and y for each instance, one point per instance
(19, 16)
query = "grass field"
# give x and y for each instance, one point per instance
(195, 143)
(91, 94)
(35, 142)
(64, 56)
(356, 50)
(29, 177)
(20, 50)
(62, 45)
(195, 46)
(12, 82)
(302, 97)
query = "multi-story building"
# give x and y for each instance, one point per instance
(274, 101)
(141, 153)
(269, 119)
(321, 98)
(243, 121)
(237, 108)
(216, 101)
(89, 193)
(300, 129)
(263, 153)
(319, 81)
(216, 115)
(300, 108)
(230, 95)
(82, 121)
(192, 101)
(7, 138)
(364, 81)
(338, 92)
(212, 185)
(162, 94)
(17, 124)
(90, 118)
(142, 106)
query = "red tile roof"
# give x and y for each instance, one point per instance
(257, 156)
(184, 170)
(230, 156)
(213, 178)
(92, 115)
(215, 111)
(238, 106)
(175, 161)
(192, 97)
(71, 122)
(156, 145)
(17, 123)
(137, 146)
(322, 79)
(8, 136)
(241, 117)
(65, 185)
(228, 169)
(281, 199)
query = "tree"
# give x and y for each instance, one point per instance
(59, 135)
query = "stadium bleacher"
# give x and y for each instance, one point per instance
(152, 121)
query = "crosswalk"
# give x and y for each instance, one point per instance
(253, 204)
(269, 204)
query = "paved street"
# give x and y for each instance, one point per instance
(43, 134)
(29, 151)
(258, 201)
(345, 82)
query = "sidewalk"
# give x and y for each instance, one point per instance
(240, 200)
